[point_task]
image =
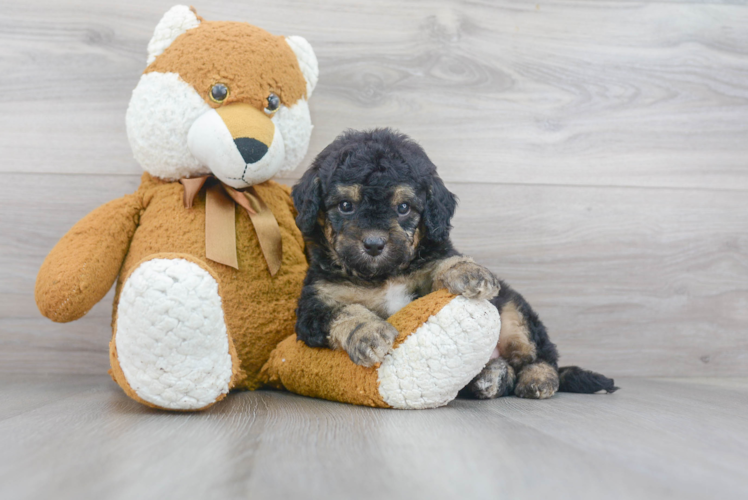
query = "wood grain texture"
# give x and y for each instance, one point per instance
(628, 281)
(562, 92)
(599, 149)
(81, 437)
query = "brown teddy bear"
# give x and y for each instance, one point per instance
(209, 259)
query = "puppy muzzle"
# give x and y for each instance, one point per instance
(374, 244)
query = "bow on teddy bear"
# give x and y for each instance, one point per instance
(207, 288)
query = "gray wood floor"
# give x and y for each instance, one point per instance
(599, 151)
(81, 437)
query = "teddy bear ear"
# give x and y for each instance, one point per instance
(307, 61)
(176, 21)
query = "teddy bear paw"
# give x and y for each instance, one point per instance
(442, 356)
(171, 340)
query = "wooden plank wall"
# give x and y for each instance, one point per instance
(599, 148)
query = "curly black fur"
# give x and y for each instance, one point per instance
(366, 169)
(378, 160)
(575, 379)
(544, 348)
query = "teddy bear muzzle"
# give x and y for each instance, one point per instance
(239, 143)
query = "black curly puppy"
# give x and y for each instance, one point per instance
(376, 219)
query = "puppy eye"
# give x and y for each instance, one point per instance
(274, 103)
(345, 207)
(403, 208)
(219, 92)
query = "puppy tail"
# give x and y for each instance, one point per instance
(575, 379)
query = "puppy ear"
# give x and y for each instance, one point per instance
(307, 197)
(439, 209)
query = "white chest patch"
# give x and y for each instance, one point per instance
(396, 296)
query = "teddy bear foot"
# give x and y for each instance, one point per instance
(441, 356)
(444, 341)
(171, 349)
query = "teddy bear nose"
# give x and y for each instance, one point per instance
(374, 245)
(251, 150)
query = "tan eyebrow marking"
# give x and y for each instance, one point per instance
(402, 193)
(351, 192)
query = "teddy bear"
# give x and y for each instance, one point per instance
(206, 255)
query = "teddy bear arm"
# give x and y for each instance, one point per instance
(84, 264)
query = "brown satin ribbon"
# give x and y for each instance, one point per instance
(220, 221)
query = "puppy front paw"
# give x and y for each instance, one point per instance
(369, 342)
(462, 276)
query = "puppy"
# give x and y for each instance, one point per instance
(376, 219)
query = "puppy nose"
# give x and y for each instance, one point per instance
(251, 150)
(374, 245)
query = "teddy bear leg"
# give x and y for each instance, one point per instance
(170, 347)
(444, 341)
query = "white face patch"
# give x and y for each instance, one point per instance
(162, 109)
(174, 134)
(211, 143)
(295, 126)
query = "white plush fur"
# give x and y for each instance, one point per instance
(441, 357)
(174, 133)
(295, 126)
(162, 109)
(307, 61)
(176, 21)
(171, 336)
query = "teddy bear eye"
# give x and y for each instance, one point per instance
(219, 92)
(274, 103)
(403, 208)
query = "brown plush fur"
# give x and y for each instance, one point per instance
(330, 374)
(258, 308)
(249, 61)
(151, 223)
(77, 273)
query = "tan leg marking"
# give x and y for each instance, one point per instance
(537, 381)
(515, 344)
